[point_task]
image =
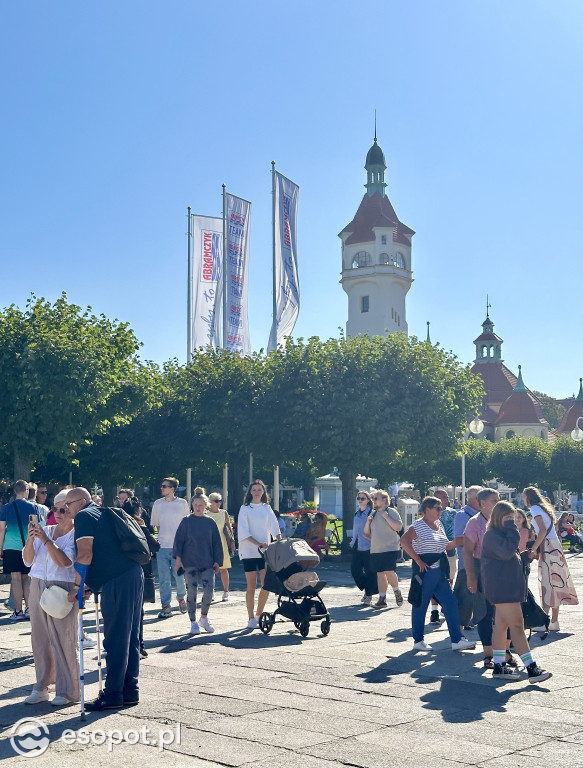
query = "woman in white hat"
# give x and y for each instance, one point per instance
(49, 553)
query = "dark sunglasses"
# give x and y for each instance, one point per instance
(361, 498)
(165, 485)
(218, 501)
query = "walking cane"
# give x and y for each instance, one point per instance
(96, 596)
(81, 666)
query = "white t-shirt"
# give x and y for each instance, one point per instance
(258, 521)
(537, 511)
(166, 517)
(54, 572)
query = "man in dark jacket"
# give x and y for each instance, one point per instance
(103, 566)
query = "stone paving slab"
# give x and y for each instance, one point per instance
(358, 697)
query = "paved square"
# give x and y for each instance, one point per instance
(358, 697)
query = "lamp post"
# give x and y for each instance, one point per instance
(577, 433)
(475, 427)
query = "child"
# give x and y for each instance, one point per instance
(199, 551)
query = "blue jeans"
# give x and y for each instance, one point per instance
(121, 608)
(436, 583)
(166, 572)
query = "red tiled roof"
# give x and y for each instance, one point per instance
(499, 382)
(488, 415)
(487, 337)
(521, 407)
(375, 211)
(569, 419)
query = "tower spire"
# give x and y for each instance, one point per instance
(488, 305)
(520, 383)
(580, 395)
(375, 125)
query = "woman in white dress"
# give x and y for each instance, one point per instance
(256, 526)
(556, 584)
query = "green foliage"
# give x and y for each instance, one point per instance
(68, 376)
(522, 461)
(552, 410)
(566, 466)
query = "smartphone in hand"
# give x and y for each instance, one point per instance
(33, 520)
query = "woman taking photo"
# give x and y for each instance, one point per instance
(426, 543)
(556, 585)
(504, 585)
(256, 526)
(49, 552)
(222, 519)
(364, 578)
(382, 527)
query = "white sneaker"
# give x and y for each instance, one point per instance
(422, 646)
(463, 644)
(367, 600)
(253, 624)
(37, 696)
(89, 642)
(205, 624)
(226, 597)
(194, 628)
(60, 701)
(541, 629)
(554, 626)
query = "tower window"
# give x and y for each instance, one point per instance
(362, 259)
(383, 242)
(510, 434)
(398, 261)
(384, 258)
(364, 303)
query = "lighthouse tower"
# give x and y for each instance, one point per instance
(376, 258)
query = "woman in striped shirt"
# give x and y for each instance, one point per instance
(426, 543)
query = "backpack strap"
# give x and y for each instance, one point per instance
(19, 521)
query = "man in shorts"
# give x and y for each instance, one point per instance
(14, 519)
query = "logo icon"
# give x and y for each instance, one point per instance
(29, 737)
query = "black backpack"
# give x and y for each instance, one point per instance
(130, 535)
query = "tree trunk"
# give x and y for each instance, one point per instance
(22, 466)
(236, 469)
(348, 479)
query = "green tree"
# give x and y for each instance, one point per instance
(552, 410)
(566, 466)
(522, 461)
(69, 376)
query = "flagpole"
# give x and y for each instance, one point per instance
(225, 259)
(189, 291)
(273, 254)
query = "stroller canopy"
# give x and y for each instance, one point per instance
(281, 554)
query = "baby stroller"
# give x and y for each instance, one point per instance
(283, 559)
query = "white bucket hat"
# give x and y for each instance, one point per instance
(54, 602)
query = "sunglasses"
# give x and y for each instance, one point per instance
(361, 498)
(218, 501)
(165, 485)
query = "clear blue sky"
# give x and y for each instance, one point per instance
(117, 115)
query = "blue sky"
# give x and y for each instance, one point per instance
(117, 115)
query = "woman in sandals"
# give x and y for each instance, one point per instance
(504, 585)
(222, 519)
(382, 528)
(556, 584)
(256, 526)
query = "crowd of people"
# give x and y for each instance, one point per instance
(471, 565)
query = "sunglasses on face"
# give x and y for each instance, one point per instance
(361, 498)
(165, 486)
(218, 501)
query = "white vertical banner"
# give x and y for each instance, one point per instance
(207, 285)
(237, 223)
(285, 259)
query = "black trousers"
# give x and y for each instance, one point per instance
(361, 573)
(121, 607)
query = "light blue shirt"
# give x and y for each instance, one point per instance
(362, 543)
(459, 526)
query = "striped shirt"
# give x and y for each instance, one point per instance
(429, 541)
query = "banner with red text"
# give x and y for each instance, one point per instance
(285, 259)
(207, 281)
(237, 223)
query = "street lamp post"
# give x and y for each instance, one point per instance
(577, 433)
(475, 427)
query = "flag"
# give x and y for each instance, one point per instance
(207, 267)
(285, 259)
(237, 222)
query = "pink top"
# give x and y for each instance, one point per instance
(475, 530)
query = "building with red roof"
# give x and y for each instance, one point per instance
(376, 258)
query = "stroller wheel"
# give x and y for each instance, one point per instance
(304, 628)
(325, 627)
(266, 623)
